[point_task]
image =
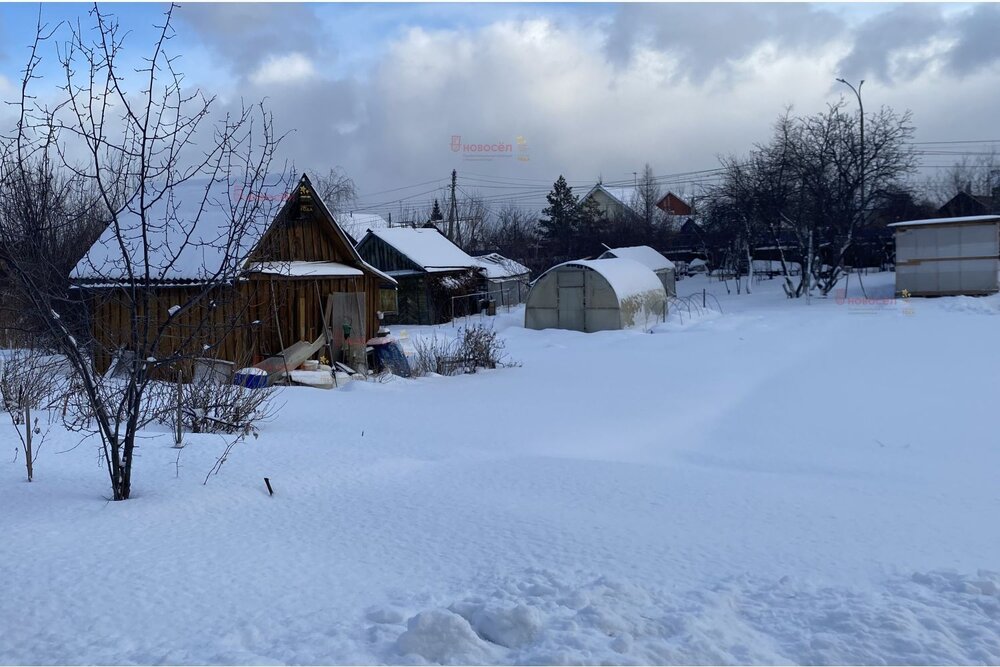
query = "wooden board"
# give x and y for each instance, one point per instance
(290, 358)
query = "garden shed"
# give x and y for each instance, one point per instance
(507, 281)
(657, 263)
(432, 272)
(293, 270)
(596, 295)
(948, 256)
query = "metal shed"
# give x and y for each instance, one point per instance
(948, 256)
(596, 295)
(657, 263)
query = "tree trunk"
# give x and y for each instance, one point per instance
(27, 442)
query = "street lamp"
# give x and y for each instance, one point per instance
(861, 161)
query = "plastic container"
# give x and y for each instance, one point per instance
(252, 378)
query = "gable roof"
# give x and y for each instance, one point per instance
(190, 232)
(622, 194)
(427, 248)
(674, 205)
(325, 211)
(965, 203)
(642, 254)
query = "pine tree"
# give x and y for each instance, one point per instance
(560, 226)
(591, 227)
(436, 212)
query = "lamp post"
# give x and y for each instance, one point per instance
(861, 161)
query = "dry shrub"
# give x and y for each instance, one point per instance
(472, 348)
(481, 347)
(435, 354)
(31, 382)
(210, 406)
(30, 379)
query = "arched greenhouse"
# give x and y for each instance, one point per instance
(596, 295)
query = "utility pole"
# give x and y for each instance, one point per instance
(452, 207)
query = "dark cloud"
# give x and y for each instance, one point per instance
(891, 46)
(246, 34)
(884, 44)
(704, 38)
(978, 40)
(314, 117)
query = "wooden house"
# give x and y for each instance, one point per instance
(430, 271)
(293, 269)
(671, 204)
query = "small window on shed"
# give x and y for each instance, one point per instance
(387, 300)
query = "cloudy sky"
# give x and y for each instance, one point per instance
(590, 91)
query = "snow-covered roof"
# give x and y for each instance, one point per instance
(496, 266)
(642, 254)
(947, 221)
(356, 224)
(299, 269)
(427, 248)
(627, 277)
(625, 194)
(189, 230)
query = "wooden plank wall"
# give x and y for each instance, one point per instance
(255, 318)
(246, 323)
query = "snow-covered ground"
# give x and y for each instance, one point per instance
(779, 483)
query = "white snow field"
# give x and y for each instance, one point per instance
(779, 483)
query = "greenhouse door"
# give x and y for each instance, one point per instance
(571, 313)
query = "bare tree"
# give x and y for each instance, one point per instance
(337, 189)
(812, 188)
(473, 213)
(977, 175)
(176, 191)
(513, 232)
(646, 196)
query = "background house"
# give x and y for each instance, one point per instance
(965, 204)
(671, 204)
(614, 202)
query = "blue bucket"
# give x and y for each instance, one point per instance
(252, 378)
